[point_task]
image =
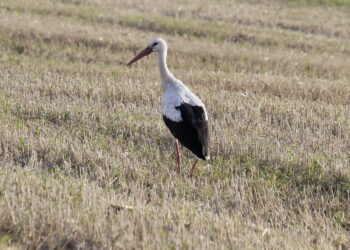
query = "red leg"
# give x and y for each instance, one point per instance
(178, 157)
(192, 169)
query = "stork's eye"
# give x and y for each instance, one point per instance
(155, 44)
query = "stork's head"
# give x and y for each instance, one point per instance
(156, 45)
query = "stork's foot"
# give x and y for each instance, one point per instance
(192, 169)
(178, 159)
(177, 169)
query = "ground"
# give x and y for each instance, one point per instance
(86, 161)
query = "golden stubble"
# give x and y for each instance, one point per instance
(86, 161)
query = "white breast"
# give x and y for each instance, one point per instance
(174, 96)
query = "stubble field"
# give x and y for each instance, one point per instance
(86, 161)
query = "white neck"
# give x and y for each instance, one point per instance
(165, 74)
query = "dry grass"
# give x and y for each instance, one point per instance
(86, 161)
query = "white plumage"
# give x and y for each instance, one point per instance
(175, 95)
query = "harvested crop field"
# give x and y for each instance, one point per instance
(86, 161)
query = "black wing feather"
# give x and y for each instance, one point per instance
(192, 131)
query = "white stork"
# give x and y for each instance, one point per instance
(183, 112)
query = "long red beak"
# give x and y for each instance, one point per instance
(143, 53)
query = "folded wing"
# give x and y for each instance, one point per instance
(192, 131)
